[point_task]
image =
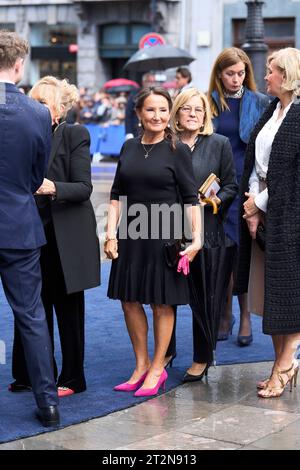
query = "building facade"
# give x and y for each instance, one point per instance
(89, 41)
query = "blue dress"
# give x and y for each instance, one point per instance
(228, 125)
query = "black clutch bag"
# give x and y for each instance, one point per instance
(261, 236)
(171, 252)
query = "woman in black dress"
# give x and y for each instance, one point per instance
(211, 153)
(152, 171)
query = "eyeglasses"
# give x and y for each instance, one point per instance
(189, 109)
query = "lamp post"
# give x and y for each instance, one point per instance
(153, 7)
(255, 45)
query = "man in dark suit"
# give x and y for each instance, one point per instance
(131, 119)
(25, 141)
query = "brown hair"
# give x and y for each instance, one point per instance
(185, 73)
(12, 48)
(228, 57)
(148, 91)
(181, 100)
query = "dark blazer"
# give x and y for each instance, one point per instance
(25, 142)
(131, 119)
(213, 154)
(72, 212)
(282, 269)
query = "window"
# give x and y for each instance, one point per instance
(279, 32)
(119, 40)
(7, 26)
(42, 35)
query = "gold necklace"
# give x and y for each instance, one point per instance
(147, 151)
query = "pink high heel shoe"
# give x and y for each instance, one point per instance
(126, 387)
(148, 392)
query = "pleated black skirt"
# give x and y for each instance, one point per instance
(140, 274)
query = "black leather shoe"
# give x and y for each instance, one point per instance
(245, 340)
(17, 387)
(194, 378)
(48, 416)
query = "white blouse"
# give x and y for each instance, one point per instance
(263, 147)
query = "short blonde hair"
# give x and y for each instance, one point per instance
(287, 60)
(57, 92)
(181, 100)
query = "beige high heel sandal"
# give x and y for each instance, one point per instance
(275, 392)
(262, 384)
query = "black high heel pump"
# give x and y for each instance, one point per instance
(195, 378)
(170, 361)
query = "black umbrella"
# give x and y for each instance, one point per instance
(158, 58)
(210, 275)
(120, 89)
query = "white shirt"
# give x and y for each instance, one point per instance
(263, 147)
(7, 81)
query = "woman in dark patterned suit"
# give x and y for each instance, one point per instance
(273, 163)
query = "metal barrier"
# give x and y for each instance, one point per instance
(106, 140)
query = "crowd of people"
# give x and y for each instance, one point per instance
(100, 108)
(248, 141)
(108, 107)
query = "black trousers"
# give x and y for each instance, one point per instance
(69, 309)
(202, 350)
(171, 351)
(21, 278)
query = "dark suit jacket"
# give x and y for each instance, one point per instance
(72, 212)
(25, 142)
(213, 154)
(131, 119)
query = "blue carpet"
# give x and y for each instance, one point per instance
(109, 360)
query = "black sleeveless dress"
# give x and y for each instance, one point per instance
(140, 273)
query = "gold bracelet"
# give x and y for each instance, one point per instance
(108, 239)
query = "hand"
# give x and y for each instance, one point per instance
(202, 203)
(252, 223)
(214, 197)
(250, 207)
(191, 250)
(47, 188)
(111, 248)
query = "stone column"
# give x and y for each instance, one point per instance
(22, 29)
(90, 71)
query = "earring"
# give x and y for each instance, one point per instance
(139, 124)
